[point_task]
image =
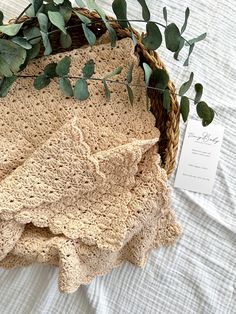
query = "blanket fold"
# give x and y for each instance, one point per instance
(81, 186)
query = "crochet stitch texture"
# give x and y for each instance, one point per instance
(81, 186)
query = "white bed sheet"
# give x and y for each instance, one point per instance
(198, 274)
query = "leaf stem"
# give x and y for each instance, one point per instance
(22, 13)
(112, 81)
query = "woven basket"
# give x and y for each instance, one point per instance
(167, 123)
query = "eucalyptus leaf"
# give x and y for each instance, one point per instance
(37, 5)
(81, 90)
(65, 86)
(184, 108)
(181, 45)
(66, 11)
(205, 113)
(12, 56)
(199, 91)
(46, 43)
(120, 9)
(107, 91)
(89, 35)
(161, 78)
(41, 82)
(6, 85)
(197, 39)
(11, 29)
(187, 12)
(63, 66)
(186, 63)
(65, 40)
(83, 18)
(130, 94)
(147, 72)
(43, 22)
(34, 51)
(93, 6)
(58, 1)
(185, 86)
(57, 19)
(153, 38)
(145, 10)
(113, 73)
(172, 37)
(33, 35)
(22, 42)
(1, 17)
(50, 70)
(165, 15)
(130, 74)
(166, 100)
(88, 69)
(80, 3)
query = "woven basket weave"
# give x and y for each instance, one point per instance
(167, 123)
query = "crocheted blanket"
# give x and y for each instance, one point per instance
(81, 185)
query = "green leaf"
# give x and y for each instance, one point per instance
(172, 37)
(187, 12)
(166, 100)
(186, 63)
(63, 67)
(147, 72)
(37, 5)
(12, 56)
(130, 94)
(161, 78)
(205, 112)
(83, 18)
(197, 39)
(181, 45)
(199, 91)
(146, 12)
(184, 108)
(88, 69)
(115, 72)
(120, 9)
(130, 74)
(58, 1)
(46, 43)
(65, 86)
(66, 11)
(81, 90)
(34, 52)
(41, 81)
(43, 22)
(22, 42)
(93, 6)
(1, 17)
(6, 85)
(107, 91)
(185, 86)
(33, 35)
(153, 38)
(11, 29)
(80, 3)
(165, 15)
(89, 35)
(50, 70)
(57, 19)
(65, 40)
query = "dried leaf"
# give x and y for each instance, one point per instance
(172, 37)
(81, 90)
(41, 82)
(153, 38)
(63, 66)
(147, 72)
(65, 86)
(185, 86)
(184, 108)
(89, 69)
(57, 19)
(199, 91)
(120, 9)
(205, 113)
(145, 10)
(166, 100)
(130, 94)
(11, 29)
(187, 12)
(90, 36)
(6, 85)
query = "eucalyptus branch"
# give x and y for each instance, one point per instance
(111, 81)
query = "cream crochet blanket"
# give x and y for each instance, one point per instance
(81, 185)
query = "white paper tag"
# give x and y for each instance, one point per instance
(199, 157)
